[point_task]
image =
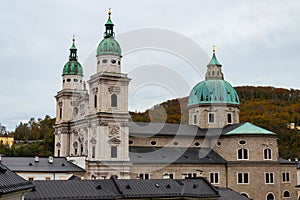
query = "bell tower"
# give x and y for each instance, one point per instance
(67, 108)
(108, 112)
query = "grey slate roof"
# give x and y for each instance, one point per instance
(228, 194)
(180, 155)
(11, 182)
(28, 164)
(182, 130)
(129, 189)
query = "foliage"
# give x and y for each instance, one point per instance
(268, 107)
(32, 138)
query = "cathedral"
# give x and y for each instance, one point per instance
(93, 122)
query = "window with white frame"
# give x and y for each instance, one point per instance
(267, 154)
(168, 176)
(242, 154)
(243, 178)
(143, 176)
(285, 177)
(214, 177)
(286, 194)
(269, 178)
(211, 118)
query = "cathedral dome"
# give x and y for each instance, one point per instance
(73, 67)
(213, 92)
(109, 46)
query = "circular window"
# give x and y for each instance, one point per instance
(130, 142)
(64, 81)
(175, 143)
(75, 80)
(104, 61)
(68, 80)
(98, 62)
(113, 61)
(242, 142)
(153, 143)
(219, 143)
(197, 144)
(119, 62)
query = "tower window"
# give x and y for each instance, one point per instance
(95, 101)
(211, 118)
(267, 154)
(60, 113)
(213, 73)
(144, 176)
(104, 61)
(93, 152)
(58, 153)
(114, 100)
(113, 152)
(229, 118)
(195, 120)
(243, 154)
(119, 62)
(68, 80)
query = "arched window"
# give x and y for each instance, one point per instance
(95, 101)
(243, 154)
(286, 194)
(267, 154)
(244, 194)
(270, 196)
(114, 100)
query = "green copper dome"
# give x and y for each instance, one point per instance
(72, 67)
(213, 92)
(109, 46)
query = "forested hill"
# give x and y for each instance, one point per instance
(268, 107)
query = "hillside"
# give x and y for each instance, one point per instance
(268, 107)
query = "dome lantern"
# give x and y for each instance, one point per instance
(73, 67)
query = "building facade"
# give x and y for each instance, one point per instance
(95, 123)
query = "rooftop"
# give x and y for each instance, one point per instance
(28, 164)
(130, 188)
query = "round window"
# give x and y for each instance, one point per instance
(113, 61)
(219, 143)
(175, 143)
(68, 80)
(104, 61)
(242, 142)
(197, 144)
(153, 143)
(130, 142)
(75, 80)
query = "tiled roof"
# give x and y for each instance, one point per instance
(11, 182)
(28, 164)
(174, 155)
(129, 189)
(185, 130)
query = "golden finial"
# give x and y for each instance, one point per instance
(109, 11)
(73, 39)
(214, 48)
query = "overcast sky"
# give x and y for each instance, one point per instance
(257, 43)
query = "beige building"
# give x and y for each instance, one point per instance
(95, 123)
